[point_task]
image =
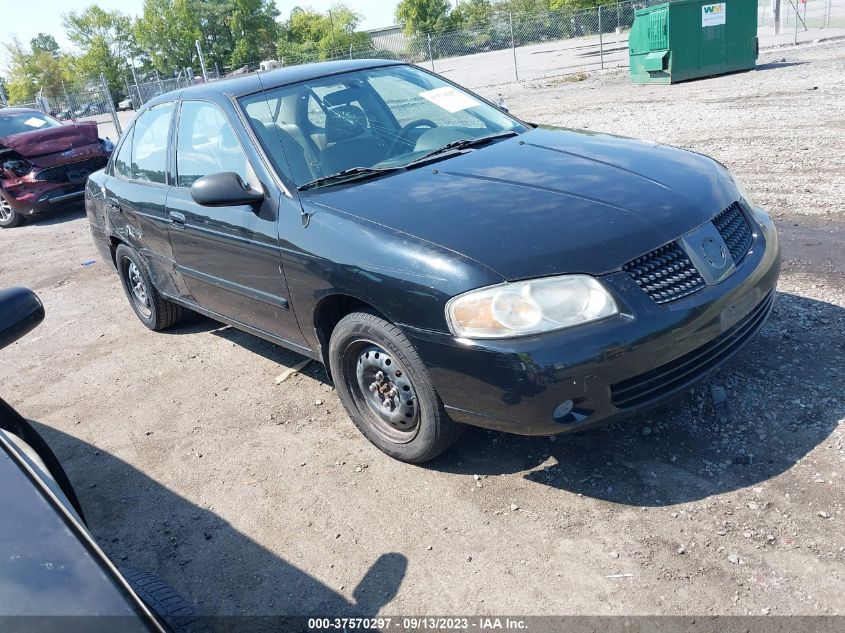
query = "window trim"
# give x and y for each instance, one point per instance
(125, 135)
(175, 140)
(256, 144)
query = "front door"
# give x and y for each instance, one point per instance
(228, 256)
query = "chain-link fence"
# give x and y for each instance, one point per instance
(514, 47)
(503, 48)
(800, 18)
(82, 101)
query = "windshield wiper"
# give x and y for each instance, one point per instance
(460, 144)
(347, 175)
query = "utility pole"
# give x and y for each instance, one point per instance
(202, 61)
(331, 25)
(513, 47)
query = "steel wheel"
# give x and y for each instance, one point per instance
(382, 391)
(5, 210)
(139, 289)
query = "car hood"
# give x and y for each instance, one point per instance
(45, 148)
(546, 202)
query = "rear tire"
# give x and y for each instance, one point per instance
(170, 607)
(386, 390)
(154, 311)
(9, 218)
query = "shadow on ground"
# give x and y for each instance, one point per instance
(201, 555)
(58, 216)
(785, 397)
(194, 323)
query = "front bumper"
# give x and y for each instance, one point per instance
(595, 373)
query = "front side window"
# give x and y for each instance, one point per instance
(379, 118)
(149, 144)
(207, 145)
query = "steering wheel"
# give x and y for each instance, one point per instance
(402, 136)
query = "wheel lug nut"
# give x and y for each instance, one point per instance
(380, 376)
(373, 387)
(386, 403)
(392, 393)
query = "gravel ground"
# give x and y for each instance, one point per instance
(257, 498)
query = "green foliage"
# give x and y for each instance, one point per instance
(421, 16)
(309, 35)
(254, 30)
(167, 30)
(105, 39)
(44, 43)
(31, 71)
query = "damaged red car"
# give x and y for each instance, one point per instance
(44, 163)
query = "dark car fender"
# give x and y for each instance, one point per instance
(98, 218)
(338, 257)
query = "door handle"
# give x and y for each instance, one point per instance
(178, 219)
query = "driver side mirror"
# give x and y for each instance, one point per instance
(225, 189)
(20, 311)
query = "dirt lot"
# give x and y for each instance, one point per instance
(251, 498)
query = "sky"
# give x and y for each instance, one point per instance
(25, 25)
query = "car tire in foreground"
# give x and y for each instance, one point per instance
(156, 312)
(387, 391)
(9, 218)
(170, 607)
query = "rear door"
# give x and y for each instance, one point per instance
(136, 194)
(228, 256)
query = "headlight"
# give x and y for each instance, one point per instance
(529, 307)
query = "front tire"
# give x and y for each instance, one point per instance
(386, 390)
(9, 218)
(154, 311)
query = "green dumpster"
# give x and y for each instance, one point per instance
(685, 39)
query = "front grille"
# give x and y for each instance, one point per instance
(681, 372)
(665, 274)
(71, 172)
(735, 230)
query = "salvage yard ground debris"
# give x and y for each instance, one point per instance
(706, 515)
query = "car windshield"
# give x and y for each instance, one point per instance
(17, 122)
(370, 121)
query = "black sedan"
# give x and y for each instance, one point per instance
(447, 262)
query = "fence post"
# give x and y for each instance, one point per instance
(601, 41)
(202, 61)
(140, 102)
(795, 7)
(430, 56)
(513, 48)
(111, 105)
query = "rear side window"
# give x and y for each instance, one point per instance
(149, 144)
(207, 145)
(123, 159)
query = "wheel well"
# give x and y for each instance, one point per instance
(328, 314)
(113, 244)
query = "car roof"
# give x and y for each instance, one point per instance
(248, 84)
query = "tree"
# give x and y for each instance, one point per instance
(168, 29)
(254, 30)
(309, 35)
(31, 72)
(105, 40)
(419, 16)
(44, 43)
